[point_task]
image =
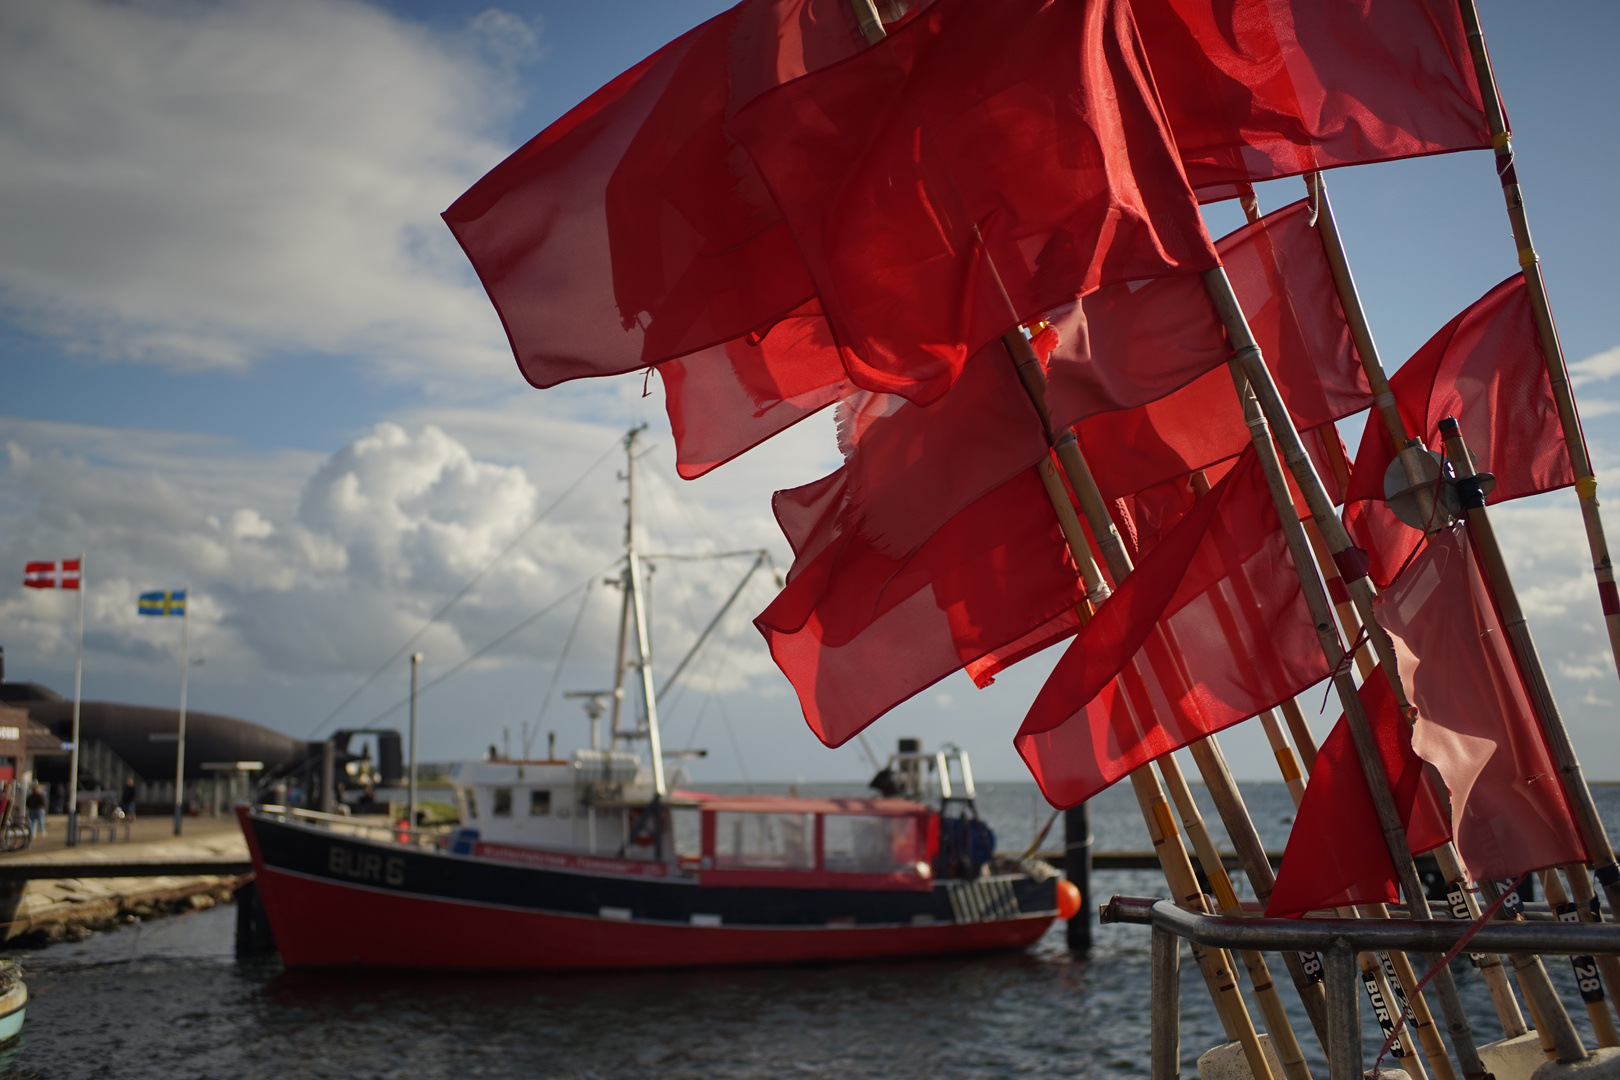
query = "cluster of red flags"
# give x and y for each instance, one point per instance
(781, 218)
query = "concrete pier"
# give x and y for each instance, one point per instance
(50, 891)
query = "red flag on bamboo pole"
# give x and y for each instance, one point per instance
(857, 631)
(1284, 282)
(1485, 368)
(1336, 855)
(986, 162)
(1261, 89)
(1475, 724)
(634, 229)
(1209, 630)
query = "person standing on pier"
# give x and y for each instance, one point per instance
(126, 803)
(35, 804)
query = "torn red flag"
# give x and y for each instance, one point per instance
(728, 399)
(1475, 724)
(1336, 855)
(986, 162)
(1486, 368)
(1261, 89)
(1209, 630)
(634, 230)
(1284, 283)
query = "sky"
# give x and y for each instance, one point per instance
(240, 352)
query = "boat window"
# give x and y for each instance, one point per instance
(687, 827)
(503, 802)
(863, 844)
(472, 804)
(539, 803)
(764, 841)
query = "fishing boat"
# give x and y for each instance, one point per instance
(603, 860)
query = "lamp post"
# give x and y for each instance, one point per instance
(410, 803)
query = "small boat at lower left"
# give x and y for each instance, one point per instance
(13, 1000)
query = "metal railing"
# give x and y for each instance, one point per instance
(1338, 941)
(360, 826)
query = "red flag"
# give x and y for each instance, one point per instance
(1486, 368)
(985, 163)
(1475, 724)
(732, 397)
(911, 467)
(634, 230)
(857, 632)
(1336, 855)
(63, 574)
(1211, 629)
(1260, 89)
(1285, 285)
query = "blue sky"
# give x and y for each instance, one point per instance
(238, 349)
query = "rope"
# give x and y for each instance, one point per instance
(1456, 950)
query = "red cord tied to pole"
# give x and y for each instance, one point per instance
(1451, 954)
(1343, 666)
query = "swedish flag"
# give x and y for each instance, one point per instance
(172, 602)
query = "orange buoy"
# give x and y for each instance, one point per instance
(1068, 899)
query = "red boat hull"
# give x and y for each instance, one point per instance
(325, 924)
(387, 920)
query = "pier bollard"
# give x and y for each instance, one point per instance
(253, 936)
(1077, 842)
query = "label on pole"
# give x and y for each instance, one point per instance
(1386, 1019)
(1401, 1000)
(1587, 980)
(1311, 964)
(1457, 900)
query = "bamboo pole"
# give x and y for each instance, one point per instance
(1333, 650)
(1407, 451)
(1552, 351)
(1580, 884)
(1218, 781)
(1411, 1001)
(1587, 980)
(1265, 991)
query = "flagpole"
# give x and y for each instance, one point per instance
(1407, 450)
(73, 758)
(1541, 308)
(180, 751)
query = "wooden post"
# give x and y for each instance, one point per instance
(1541, 308)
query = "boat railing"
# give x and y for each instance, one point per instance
(396, 832)
(1338, 941)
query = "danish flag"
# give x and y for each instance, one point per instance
(52, 575)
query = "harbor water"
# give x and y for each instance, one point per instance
(169, 1000)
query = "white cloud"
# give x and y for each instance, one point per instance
(209, 185)
(1596, 368)
(315, 567)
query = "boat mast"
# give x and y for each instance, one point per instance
(636, 608)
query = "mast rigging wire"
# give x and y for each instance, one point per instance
(465, 589)
(562, 658)
(470, 657)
